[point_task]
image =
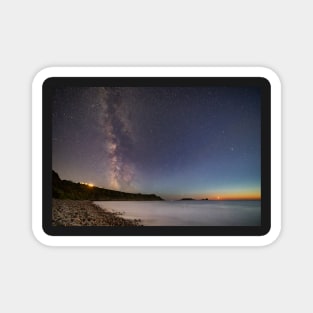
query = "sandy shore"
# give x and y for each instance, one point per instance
(86, 213)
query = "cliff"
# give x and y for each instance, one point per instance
(65, 189)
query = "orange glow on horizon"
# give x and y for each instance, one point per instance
(231, 196)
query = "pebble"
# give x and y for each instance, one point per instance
(86, 213)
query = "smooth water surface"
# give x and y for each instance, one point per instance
(188, 212)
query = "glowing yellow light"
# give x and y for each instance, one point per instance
(87, 184)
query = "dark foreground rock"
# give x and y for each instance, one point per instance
(86, 213)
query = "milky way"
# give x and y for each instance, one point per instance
(117, 135)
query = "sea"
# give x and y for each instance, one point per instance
(188, 212)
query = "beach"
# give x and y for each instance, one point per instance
(86, 213)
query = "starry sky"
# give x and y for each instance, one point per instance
(199, 142)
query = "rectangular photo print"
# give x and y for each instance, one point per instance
(156, 156)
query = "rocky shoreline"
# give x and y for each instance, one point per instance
(86, 213)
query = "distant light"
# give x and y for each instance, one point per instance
(87, 184)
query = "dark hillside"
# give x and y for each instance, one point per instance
(65, 189)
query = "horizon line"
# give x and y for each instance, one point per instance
(177, 198)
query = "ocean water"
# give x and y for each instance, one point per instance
(188, 213)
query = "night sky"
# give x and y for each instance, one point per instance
(199, 142)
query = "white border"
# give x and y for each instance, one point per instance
(155, 72)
